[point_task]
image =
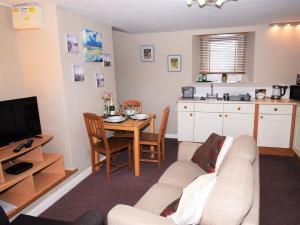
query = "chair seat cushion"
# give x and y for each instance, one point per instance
(115, 144)
(158, 197)
(181, 173)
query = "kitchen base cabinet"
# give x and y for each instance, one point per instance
(206, 124)
(236, 124)
(274, 130)
(296, 144)
(185, 126)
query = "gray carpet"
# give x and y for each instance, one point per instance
(280, 190)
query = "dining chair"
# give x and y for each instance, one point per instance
(103, 145)
(131, 102)
(156, 140)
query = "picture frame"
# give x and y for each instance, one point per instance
(106, 59)
(78, 73)
(174, 63)
(92, 46)
(72, 43)
(99, 80)
(147, 53)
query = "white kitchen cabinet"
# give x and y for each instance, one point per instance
(185, 126)
(274, 130)
(207, 123)
(236, 124)
(296, 144)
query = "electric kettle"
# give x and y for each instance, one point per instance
(278, 91)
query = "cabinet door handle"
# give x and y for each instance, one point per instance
(220, 115)
(226, 115)
(191, 114)
(261, 117)
(185, 107)
(275, 109)
(239, 108)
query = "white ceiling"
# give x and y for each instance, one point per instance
(142, 16)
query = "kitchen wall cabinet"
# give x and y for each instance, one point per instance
(274, 125)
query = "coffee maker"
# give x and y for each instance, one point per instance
(278, 91)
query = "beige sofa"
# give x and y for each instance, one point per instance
(233, 200)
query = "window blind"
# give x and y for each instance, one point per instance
(223, 53)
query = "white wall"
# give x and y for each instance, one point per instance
(82, 96)
(276, 61)
(11, 81)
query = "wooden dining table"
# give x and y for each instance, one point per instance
(135, 126)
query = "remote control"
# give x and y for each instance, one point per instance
(28, 143)
(19, 147)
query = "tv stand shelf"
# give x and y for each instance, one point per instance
(22, 189)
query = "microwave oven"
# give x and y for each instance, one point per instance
(295, 92)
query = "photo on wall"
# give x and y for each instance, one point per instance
(147, 53)
(174, 63)
(72, 43)
(106, 59)
(99, 80)
(78, 73)
(92, 46)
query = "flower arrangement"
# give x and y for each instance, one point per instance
(107, 97)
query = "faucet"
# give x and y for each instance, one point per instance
(211, 95)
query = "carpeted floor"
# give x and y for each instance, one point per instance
(280, 190)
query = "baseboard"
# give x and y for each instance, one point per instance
(171, 136)
(45, 204)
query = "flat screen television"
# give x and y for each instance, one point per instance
(19, 119)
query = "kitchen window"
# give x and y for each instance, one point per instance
(223, 53)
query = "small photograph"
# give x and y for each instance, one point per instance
(72, 43)
(147, 53)
(106, 59)
(78, 73)
(99, 80)
(260, 93)
(174, 63)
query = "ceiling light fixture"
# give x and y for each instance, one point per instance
(202, 3)
(295, 23)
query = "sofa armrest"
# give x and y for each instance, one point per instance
(128, 215)
(186, 150)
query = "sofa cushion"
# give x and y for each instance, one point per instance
(206, 155)
(181, 173)
(243, 147)
(158, 197)
(231, 198)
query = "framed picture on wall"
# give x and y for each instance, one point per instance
(147, 53)
(72, 43)
(92, 46)
(99, 80)
(174, 63)
(106, 59)
(78, 73)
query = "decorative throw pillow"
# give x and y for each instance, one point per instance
(206, 155)
(193, 199)
(171, 208)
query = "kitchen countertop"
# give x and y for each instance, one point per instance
(283, 101)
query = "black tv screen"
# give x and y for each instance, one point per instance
(19, 119)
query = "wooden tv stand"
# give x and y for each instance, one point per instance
(48, 171)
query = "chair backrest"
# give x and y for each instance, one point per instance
(163, 124)
(134, 103)
(95, 129)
